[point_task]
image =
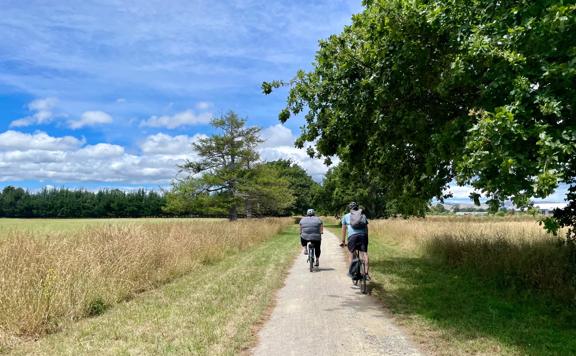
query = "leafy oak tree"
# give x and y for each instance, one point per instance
(228, 179)
(421, 93)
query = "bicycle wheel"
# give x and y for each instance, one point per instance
(311, 257)
(363, 280)
(363, 285)
(355, 256)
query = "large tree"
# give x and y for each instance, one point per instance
(303, 187)
(227, 177)
(419, 93)
(343, 184)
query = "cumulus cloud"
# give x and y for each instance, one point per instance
(42, 157)
(279, 144)
(100, 150)
(90, 118)
(14, 140)
(277, 135)
(184, 118)
(166, 144)
(39, 156)
(42, 113)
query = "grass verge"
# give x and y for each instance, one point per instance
(212, 310)
(451, 310)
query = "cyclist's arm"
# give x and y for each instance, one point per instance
(321, 229)
(343, 233)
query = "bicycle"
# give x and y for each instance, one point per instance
(363, 281)
(311, 256)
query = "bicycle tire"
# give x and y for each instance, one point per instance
(355, 256)
(311, 256)
(363, 285)
(363, 281)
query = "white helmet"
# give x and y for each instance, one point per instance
(310, 212)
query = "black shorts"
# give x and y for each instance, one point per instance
(358, 242)
(316, 243)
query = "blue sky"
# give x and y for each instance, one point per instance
(111, 93)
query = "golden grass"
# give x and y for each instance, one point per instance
(54, 278)
(515, 253)
(414, 233)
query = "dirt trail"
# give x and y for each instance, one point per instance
(321, 313)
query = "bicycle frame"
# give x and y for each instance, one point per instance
(311, 255)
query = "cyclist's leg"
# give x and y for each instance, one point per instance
(364, 252)
(304, 244)
(317, 252)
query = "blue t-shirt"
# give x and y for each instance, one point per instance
(349, 229)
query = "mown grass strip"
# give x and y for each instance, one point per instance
(212, 310)
(453, 311)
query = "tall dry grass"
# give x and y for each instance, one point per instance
(50, 279)
(513, 253)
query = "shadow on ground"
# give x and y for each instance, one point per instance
(470, 308)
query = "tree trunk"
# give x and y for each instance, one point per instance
(248, 208)
(232, 213)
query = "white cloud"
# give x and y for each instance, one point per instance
(100, 150)
(459, 192)
(203, 105)
(90, 118)
(14, 140)
(184, 118)
(277, 135)
(43, 113)
(166, 144)
(42, 157)
(279, 144)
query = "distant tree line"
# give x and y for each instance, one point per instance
(65, 203)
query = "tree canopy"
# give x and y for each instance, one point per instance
(302, 186)
(228, 177)
(420, 93)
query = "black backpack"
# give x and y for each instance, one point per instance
(358, 219)
(354, 269)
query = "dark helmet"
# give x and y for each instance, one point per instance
(353, 206)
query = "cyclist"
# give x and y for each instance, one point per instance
(311, 230)
(357, 237)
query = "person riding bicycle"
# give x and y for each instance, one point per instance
(357, 235)
(311, 230)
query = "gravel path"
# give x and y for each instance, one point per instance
(322, 313)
